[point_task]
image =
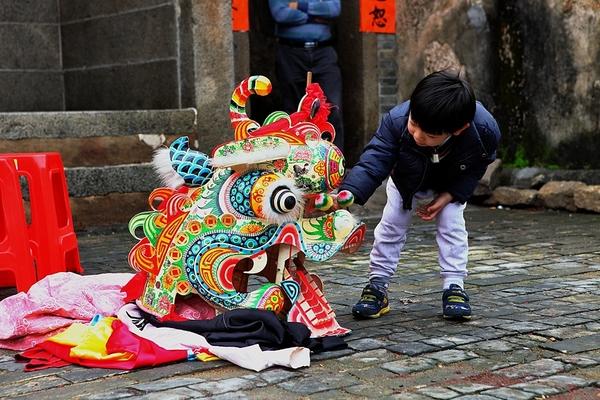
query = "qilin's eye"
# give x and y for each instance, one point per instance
(283, 200)
(326, 136)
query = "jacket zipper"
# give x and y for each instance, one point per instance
(412, 195)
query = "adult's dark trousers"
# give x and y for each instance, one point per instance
(292, 65)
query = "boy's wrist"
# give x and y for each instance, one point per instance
(447, 197)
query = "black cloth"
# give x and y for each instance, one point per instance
(246, 327)
(393, 150)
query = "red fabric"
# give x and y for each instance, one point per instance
(144, 352)
(135, 287)
(172, 316)
(38, 359)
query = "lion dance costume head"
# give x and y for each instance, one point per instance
(248, 209)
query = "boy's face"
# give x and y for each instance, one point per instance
(425, 139)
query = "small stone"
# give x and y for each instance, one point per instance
(469, 388)
(225, 385)
(366, 344)
(181, 393)
(524, 327)
(310, 385)
(536, 388)
(560, 194)
(278, 375)
(509, 394)
(564, 381)
(509, 196)
(542, 367)
(438, 392)
(451, 356)
(166, 384)
(412, 348)
(229, 396)
(577, 345)
(494, 346)
(588, 198)
(409, 365)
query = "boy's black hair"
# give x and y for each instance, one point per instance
(442, 102)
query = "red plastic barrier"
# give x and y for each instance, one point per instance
(52, 239)
(16, 264)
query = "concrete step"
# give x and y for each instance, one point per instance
(106, 154)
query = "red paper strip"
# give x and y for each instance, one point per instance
(378, 16)
(240, 20)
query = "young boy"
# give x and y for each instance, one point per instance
(437, 144)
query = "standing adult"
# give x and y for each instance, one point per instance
(305, 44)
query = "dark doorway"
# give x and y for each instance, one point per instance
(262, 58)
(357, 57)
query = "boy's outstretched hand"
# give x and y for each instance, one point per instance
(430, 210)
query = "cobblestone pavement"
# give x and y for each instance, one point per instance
(535, 288)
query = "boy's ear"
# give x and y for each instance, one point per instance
(461, 130)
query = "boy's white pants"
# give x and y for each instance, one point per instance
(390, 237)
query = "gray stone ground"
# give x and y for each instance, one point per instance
(535, 288)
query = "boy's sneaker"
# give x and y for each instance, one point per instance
(455, 303)
(373, 303)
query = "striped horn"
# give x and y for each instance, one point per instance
(242, 125)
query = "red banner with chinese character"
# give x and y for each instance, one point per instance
(240, 20)
(378, 16)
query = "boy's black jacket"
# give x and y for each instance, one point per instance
(393, 150)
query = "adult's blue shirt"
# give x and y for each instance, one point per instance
(308, 23)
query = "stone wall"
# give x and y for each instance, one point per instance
(30, 59)
(387, 65)
(534, 64)
(106, 155)
(120, 54)
(549, 80)
(116, 55)
(436, 35)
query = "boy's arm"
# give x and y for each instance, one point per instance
(286, 12)
(463, 189)
(375, 164)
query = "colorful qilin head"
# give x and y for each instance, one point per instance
(248, 209)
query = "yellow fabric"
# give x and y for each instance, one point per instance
(90, 341)
(206, 356)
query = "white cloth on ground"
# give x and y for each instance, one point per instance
(251, 357)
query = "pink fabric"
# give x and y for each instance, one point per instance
(56, 302)
(194, 308)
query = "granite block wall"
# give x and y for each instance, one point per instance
(387, 76)
(62, 55)
(30, 56)
(120, 54)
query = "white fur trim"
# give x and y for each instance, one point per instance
(275, 217)
(162, 165)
